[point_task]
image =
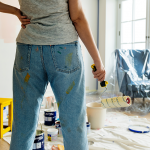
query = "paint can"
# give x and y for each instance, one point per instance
(59, 130)
(39, 140)
(49, 117)
(88, 125)
(52, 134)
(96, 115)
(57, 123)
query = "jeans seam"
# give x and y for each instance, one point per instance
(53, 57)
(28, 61)
(41, 53)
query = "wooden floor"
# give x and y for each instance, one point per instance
(5, 146)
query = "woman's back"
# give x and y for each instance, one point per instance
(50, 23)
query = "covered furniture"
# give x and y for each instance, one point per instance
(133, 72)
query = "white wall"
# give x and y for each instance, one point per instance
(108, 38)
(7, 56)
(90, 9)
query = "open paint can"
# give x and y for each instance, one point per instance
(96, 115)
(49, 117)
(52, 134)
(39, 140)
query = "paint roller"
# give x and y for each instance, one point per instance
(122, 101)
(103, 83)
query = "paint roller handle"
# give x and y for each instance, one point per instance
(103, 83)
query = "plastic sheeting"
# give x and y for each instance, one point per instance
(132, 72)
(130, 77)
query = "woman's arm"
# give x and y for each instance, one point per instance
(80, 22)
(7, 8)
(15, 11)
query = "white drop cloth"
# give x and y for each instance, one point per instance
(114, 136)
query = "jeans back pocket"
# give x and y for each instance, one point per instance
(22, 57)
(65, 57)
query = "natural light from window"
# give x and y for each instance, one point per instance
(133, 24)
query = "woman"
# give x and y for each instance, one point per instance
(48, 50)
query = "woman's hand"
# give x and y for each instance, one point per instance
(23, 19)
(100, 72)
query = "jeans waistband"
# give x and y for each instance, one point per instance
(74, 42)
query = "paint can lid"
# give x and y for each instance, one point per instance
(52, 131)
(49, 110)
(139, 128)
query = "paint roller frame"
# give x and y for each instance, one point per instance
(103, 83)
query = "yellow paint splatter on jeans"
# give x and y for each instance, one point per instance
(70, 87)
(21, 57)
(58, 104)
(26, 79)
(69, 59)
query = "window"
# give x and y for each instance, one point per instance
(133, 24)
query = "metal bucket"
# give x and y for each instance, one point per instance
(39, 140)
(49, 117)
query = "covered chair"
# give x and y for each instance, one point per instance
(133, 72)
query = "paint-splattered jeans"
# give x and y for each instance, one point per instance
(62, 66)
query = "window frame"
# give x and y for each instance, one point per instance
(147, 41)
(148, 25)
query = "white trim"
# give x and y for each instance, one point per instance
(147, 22)
(148, 25)
(119, 25)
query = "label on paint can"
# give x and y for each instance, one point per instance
(52, 137)
(52, 134)
(39, 141)
(49, 117)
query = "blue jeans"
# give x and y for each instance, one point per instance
(62, 66)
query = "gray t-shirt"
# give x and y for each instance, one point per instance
(50, 23)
